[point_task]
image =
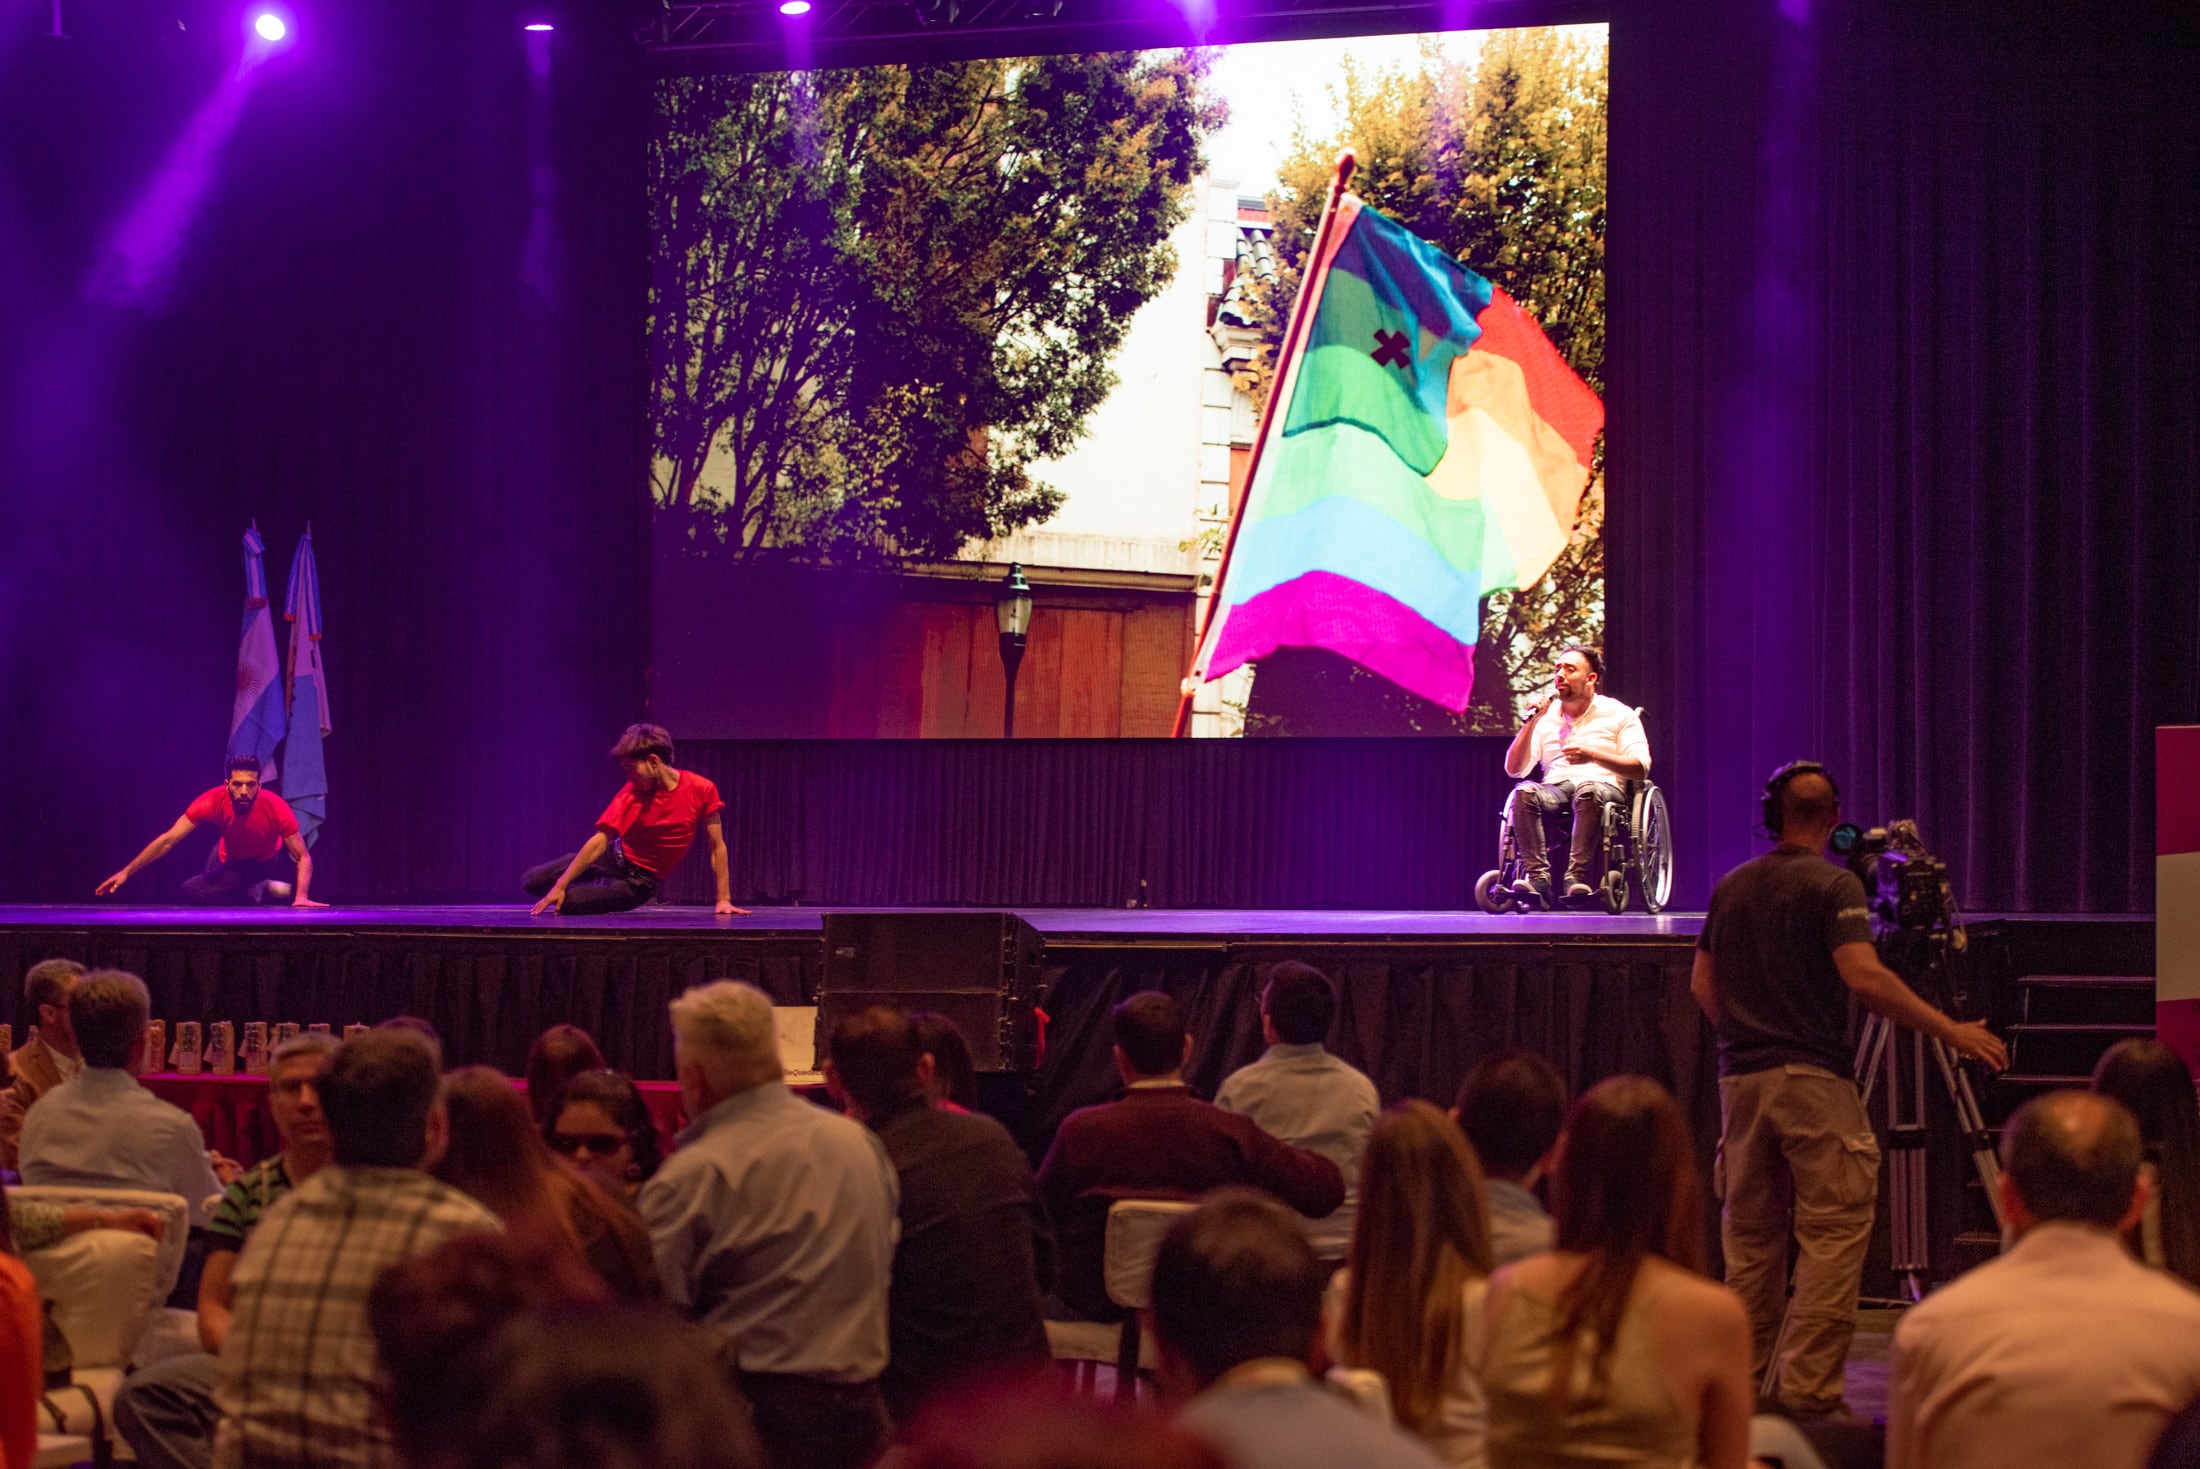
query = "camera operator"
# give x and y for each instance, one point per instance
(1786, 943)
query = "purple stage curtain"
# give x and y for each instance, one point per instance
(1904, 304)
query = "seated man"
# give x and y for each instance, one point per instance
(773, 1225)
(641, 836)
(965, 1296)
(300, 1381)
(2066, 1350)
(1301, 1094)
(1587, 745)
(256, 828)
(1237, 1306)
(1159, 1141)
(101, 1129)
(48, 1058)
(1512, 1108)
(166, 1412)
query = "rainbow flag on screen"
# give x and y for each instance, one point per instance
(1431, 447)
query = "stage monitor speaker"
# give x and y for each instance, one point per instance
(980, 970)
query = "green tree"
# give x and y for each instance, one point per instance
(880, 294)
(1500, 162)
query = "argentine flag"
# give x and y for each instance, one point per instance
(256, 719)
(305, 777)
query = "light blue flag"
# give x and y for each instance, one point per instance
(256, 718)
(305, 778)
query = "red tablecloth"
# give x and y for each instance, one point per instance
(232, 1110)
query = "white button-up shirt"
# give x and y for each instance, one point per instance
(1605, 722)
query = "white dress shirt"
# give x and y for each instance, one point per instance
(1606, 722)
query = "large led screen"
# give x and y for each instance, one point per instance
(916, 330)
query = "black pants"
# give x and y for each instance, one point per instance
(809, 1423)
(231, 884)
(610, 884)
(1531, 802)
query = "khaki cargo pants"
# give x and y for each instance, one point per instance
(1797, 1155)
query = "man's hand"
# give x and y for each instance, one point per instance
(1974, 1042)
(725, 909)
(1536, 708)
(112, 885)
(552, 901)
(306, 903)
(148, 1222)
(1579, 750)
(228, 1170)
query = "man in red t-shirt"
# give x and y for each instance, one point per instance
(256, 827)
(641, 836)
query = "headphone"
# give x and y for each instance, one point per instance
(1776, 790)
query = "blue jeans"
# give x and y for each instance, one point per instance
(166, 1412)
(1532, 801)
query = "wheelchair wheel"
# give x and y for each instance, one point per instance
(1486, 894)
(1615, 890)
(1653, 839)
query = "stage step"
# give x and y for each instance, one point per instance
(2067, 1022)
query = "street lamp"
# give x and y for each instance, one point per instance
(1012, 613)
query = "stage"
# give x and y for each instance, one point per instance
(1423, 994)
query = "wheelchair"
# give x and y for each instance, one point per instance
(1637, 842)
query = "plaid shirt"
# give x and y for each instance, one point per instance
(243, 1202)
(299, 1368)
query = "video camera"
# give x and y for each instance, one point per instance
(1915, 920)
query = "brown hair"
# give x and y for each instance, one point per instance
(642, 741)
(558, 1055)
(1420, 1238)
(1626, 1189)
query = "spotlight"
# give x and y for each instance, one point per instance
(269, 26)
(538, 25)
(794, 7)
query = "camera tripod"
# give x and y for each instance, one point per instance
(1907, 1215)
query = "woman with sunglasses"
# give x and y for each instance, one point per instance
(601, 1128)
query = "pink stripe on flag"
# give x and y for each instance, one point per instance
(2176, 789)
(1323, 610)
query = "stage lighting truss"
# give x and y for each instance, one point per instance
(738, 34)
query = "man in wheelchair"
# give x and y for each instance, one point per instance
(1588, 746)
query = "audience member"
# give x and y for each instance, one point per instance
(496, 1155)
(100, 1129)
(1158, 1141)
(299, 1367)
(2179, 1445)
(1001, 1427)
(1409, 1305)
(1302, 1095)
(22, 1374)
(425, 1029)
(1511, 1108)
(954, 1083)
(558, 1055)
(2151, 1080)
(965, 1295)
(601, 1127)
(166, 1412)
(1613, 1348)
(49, 1057)
(40, 1224)
(774, 1225)
(1237, 1308)
(2065, 1350)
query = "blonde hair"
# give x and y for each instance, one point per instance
(1420, 1238)
(727, 1029)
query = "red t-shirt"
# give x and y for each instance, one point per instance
(658, 828)
(257, 836)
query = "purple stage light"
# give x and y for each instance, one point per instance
(794, 7)
(538, 25)
(269, 26)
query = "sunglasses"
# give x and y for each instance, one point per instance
(602, 1144)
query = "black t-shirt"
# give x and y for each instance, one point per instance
(1771, 932)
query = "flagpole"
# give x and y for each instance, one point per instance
(1293, 337)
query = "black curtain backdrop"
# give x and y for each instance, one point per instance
(1904, 466)
(406, 309)
(1904, 471)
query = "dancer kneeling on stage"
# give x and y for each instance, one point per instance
(1587, 745)
(641, 836)
(1785, 946)
(256, 826)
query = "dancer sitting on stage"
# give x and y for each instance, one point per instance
(1588, 745)
(641, 836)
(256, 827)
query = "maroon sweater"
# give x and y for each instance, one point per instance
(1160, 1143)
